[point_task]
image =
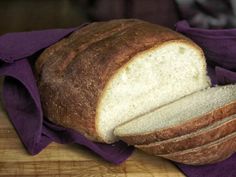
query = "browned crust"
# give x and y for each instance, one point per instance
(207, 154)
(192, 140)
(182, 129)
(72, 73)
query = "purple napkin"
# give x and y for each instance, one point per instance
(21, 98)
(220, 50)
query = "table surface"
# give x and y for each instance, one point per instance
(71, 160)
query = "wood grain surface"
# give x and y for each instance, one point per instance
(71, 160)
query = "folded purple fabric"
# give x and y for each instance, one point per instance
(21, 98)
(218, 45)
(220, 50)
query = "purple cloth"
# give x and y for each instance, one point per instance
(21, 98)
(220, 50)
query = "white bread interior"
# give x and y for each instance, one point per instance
(180, 111)
(151, 79)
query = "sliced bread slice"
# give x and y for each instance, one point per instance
(203, 136)
(181, 117)
(207, 154)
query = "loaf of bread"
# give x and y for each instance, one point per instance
(108, 73)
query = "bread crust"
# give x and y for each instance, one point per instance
(181, 129)
(192, 140)
(73, 73)
(207, 154)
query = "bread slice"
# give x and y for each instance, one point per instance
(202, 136)
(213, 152)
(180, 117)
(107, 73)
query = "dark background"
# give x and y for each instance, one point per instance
(27, 15)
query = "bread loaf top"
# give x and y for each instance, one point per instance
(72, 74)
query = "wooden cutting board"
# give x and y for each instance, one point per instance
(71, 160)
